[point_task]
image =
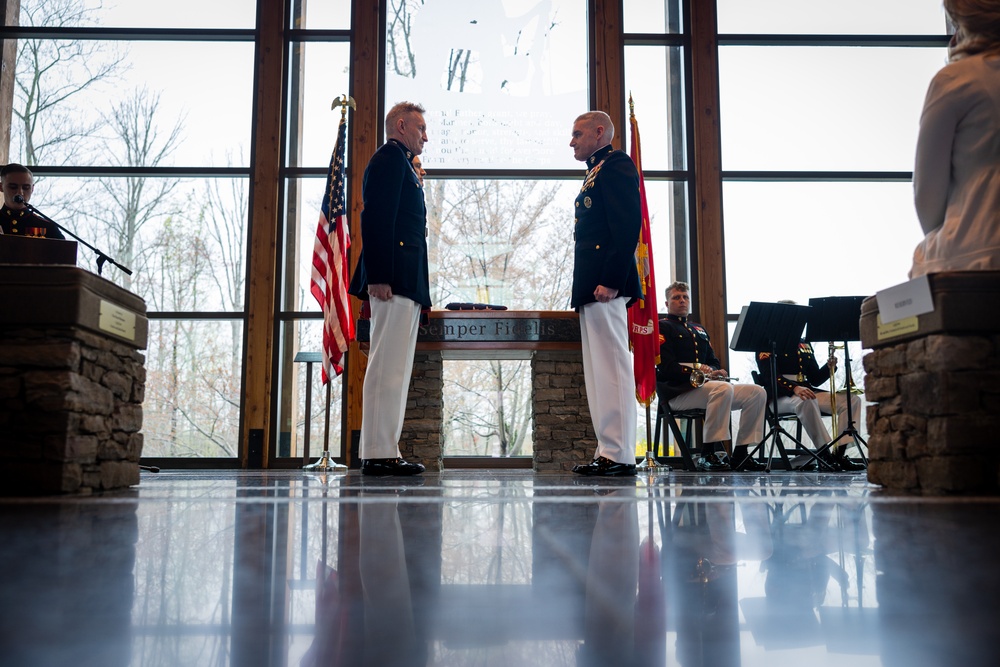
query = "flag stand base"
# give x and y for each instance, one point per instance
(651, 466)
(326, 464)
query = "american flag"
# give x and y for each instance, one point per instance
(643, 321)
(330, 260)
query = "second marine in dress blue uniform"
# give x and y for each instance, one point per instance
(607, 222)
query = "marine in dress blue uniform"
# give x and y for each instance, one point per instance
(686, 347)
(392, 275)
(21, 222)
(798, 376)
(15, 219)
(608, 220)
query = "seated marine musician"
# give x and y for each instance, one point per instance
(798, 376)
(685, 353)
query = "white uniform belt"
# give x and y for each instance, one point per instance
(688, 364)
(793, 377)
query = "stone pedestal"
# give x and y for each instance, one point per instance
(421, 438)
(563, 431)
(934, 388)
(71, 381)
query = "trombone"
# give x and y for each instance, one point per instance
(832, 365)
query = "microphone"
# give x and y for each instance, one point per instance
(19, 199)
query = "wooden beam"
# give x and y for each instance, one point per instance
(10, 14)
(706, 211)
(263, 235)
(607, 64)
(365, 137)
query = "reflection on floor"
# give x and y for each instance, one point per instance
(501, 568)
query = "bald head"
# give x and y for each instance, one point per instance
(599, 119)
(591, 132)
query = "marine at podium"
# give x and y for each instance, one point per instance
(15, 219)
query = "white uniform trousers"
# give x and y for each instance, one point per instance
(718, 399)
(385, 584)
(810, 414)
(394, 326)
(607, 372)
(612, 574)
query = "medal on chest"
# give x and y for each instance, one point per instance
(591, 176)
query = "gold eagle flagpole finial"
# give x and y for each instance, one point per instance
(344, 101)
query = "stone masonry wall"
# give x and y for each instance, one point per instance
(422, 440)
(70, 411)
(936, 414)
(563, 431)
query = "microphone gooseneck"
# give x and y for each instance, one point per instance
(101, 256)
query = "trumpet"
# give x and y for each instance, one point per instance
(700, 377)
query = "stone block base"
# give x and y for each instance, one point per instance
(70, 411)
(563, 431)
(935, 421)
(422, 438)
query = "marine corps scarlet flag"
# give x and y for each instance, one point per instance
(643, 322)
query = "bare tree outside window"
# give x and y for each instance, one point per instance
(399, 51)
(50, 79)
(500, 242)
(137, 140)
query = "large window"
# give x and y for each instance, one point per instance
(139, 122)
(141, 151)
(501, 84)
(818, 139)
(309, 414)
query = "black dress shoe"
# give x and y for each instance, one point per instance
(605, 467)
(711, 463)
(747, 464)
(845, 464)
(397, 467)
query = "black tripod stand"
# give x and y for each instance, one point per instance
(769, 327)
(838, 318)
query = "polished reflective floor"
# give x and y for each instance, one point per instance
(499, 568)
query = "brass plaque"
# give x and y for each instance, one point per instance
(907, 325)
(117, 320)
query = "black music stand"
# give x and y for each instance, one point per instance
(835, 319)
(769, 327)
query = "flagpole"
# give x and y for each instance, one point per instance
(643, 326)
(325, 463)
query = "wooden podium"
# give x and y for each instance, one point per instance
(16, 249)
(72, 380)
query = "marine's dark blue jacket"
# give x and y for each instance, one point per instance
(608, 222)
(393, 227)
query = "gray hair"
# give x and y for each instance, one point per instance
(399, 110)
